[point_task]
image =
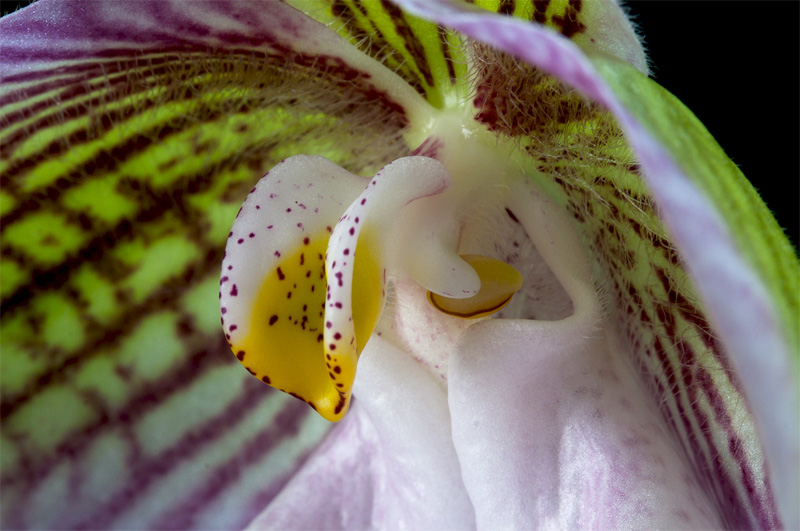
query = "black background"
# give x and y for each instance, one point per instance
(736, 64)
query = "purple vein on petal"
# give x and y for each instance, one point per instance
(176, 381)
(284, 426)
(146, 471)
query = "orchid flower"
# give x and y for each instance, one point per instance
(554, 301)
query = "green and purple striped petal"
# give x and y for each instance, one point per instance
(130, 134)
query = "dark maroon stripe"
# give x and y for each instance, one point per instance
(448, 59)
(332, 67)
(148, 397)
(372, 41)
(264, 496)
(704, 471)
(68, 112)
(696, 318)
(108, 159)
(147, 471)
(286, 424)
(765, 512)
(539, 10)
(153, 206)
(733, 506)
(113, 74)
(110, 335)
(410, 40)
(507, 7)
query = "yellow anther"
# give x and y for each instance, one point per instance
(499, 282)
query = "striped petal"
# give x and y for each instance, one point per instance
(130, 134)
(699, 378)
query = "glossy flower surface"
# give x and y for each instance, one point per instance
(620, 387)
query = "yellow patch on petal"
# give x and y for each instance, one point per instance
(499, 282)
(285, 346)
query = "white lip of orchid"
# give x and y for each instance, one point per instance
(412, 221)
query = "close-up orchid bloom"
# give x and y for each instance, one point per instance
(492, 273)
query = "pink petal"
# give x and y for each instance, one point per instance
(389, 464)
(569, 439)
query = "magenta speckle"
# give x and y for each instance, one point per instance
(363, 200)
(240, 241)
(234, 291)
(232, 328)
(270, 226)
(251, 235)
(277, 253)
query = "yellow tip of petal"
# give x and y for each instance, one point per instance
(499, 282)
